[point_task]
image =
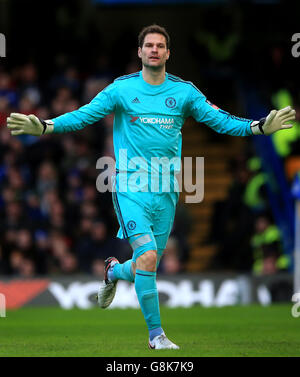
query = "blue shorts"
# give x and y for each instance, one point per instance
(145, 212)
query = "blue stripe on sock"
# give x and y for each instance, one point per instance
(155, 332)
(137, 273)
(145, 273)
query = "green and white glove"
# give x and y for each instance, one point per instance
(275, 121)
(20, 124)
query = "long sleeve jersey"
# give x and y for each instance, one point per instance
(149, 118)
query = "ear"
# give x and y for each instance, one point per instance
(168, 54)
(139, 52)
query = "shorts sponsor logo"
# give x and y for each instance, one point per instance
(131, 225)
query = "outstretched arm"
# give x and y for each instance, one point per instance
(103, 104)
(221, 121)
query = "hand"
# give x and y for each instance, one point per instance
(20, 124)
(277, 120)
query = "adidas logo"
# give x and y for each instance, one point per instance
(136, 100)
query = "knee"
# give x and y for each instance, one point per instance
(147, 261)
(133, 268)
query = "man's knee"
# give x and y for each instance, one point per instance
(141, 244)
(147, 261)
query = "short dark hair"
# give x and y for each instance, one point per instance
(153, 29)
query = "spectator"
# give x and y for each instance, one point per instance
(28, 83)
(7, 91)
(267, 248)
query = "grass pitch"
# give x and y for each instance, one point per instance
(230, 331)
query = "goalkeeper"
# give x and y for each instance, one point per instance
(150, 108)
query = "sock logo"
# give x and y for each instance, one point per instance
(131, 225)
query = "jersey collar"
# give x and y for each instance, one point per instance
(154, 88)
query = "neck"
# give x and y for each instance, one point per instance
(154, 77)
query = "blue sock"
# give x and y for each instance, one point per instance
(145, 287)
(155, 332)
(121, 271)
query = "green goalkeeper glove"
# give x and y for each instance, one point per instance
(20, 124)
(274, 122)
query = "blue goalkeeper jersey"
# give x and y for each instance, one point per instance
(148, 118)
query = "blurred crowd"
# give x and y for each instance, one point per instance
(243, 227)
(53, 219)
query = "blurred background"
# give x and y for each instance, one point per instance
(60, 54)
